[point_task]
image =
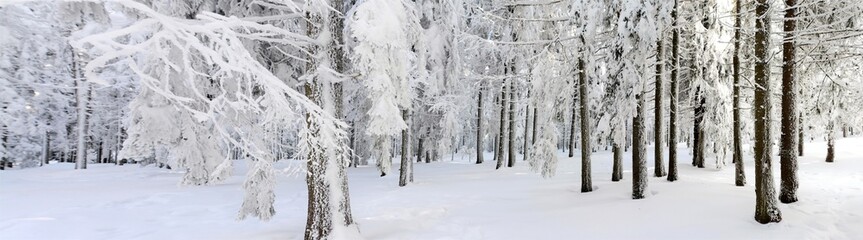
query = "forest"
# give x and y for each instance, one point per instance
(441, 116)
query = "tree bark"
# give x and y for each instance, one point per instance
(586, 179)
(739, 175)
(479, 134)
(404, 170)
(533, 128)
(659, 164)
(572, 131)
(494, 147)
(355, 161)
(617, 163)
(420, 149)
(5, 137)
(788, 138)
(831, 142)
(766, 210)
(527, 143)
(319, 217)
(672, 117)
(512, 96)
(697, 131)
(46, 149)
(323, 208)
(99, 153)
(502, 132)
(81, 92)
(800, 135)
(639, 163)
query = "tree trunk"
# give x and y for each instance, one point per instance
(659, 164)
(495, 147)
(831, 142)
(46, 149)
(325, 211)
(511, 144)
(672, 117)
(502, 132)
(800, 135)
(533, 128)
(697, 131)
(479, 134)
(99, 154)
(355, 161)
(639, 163)
(787, 156)
(739, 175)
(5, 137)
(512, 96)
(572, 131)
(320, 219)
(81, 92)
(586, 180)
(404, 170)
(617, 163)
(420, 149)
(766, 210)
(411, 168)
(526, 139)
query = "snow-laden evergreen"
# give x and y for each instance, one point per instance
(384, 59)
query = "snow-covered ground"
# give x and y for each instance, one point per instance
(450, 200)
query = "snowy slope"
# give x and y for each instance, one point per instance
(450, 200)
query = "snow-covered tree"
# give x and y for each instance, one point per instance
(384, 59)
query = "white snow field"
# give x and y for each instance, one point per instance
(449, 200)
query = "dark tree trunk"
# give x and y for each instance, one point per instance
(479, 134)
(99, 154)
(5, 137)
(831, 142)
(739, 175)
(659, 164)
(527, 142)
(800, 135)
(533, 128)
(787, 156)
(639, 163)
(404, 170)
(512, 96)
(512, 100)
(46, 149)
(495, 147)
(502, 133)
(698, 139)
(766, 210)
(354, 159)
(672, 118)
(420, 149)
(586, 179)
(572, 131)
(617, 163)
